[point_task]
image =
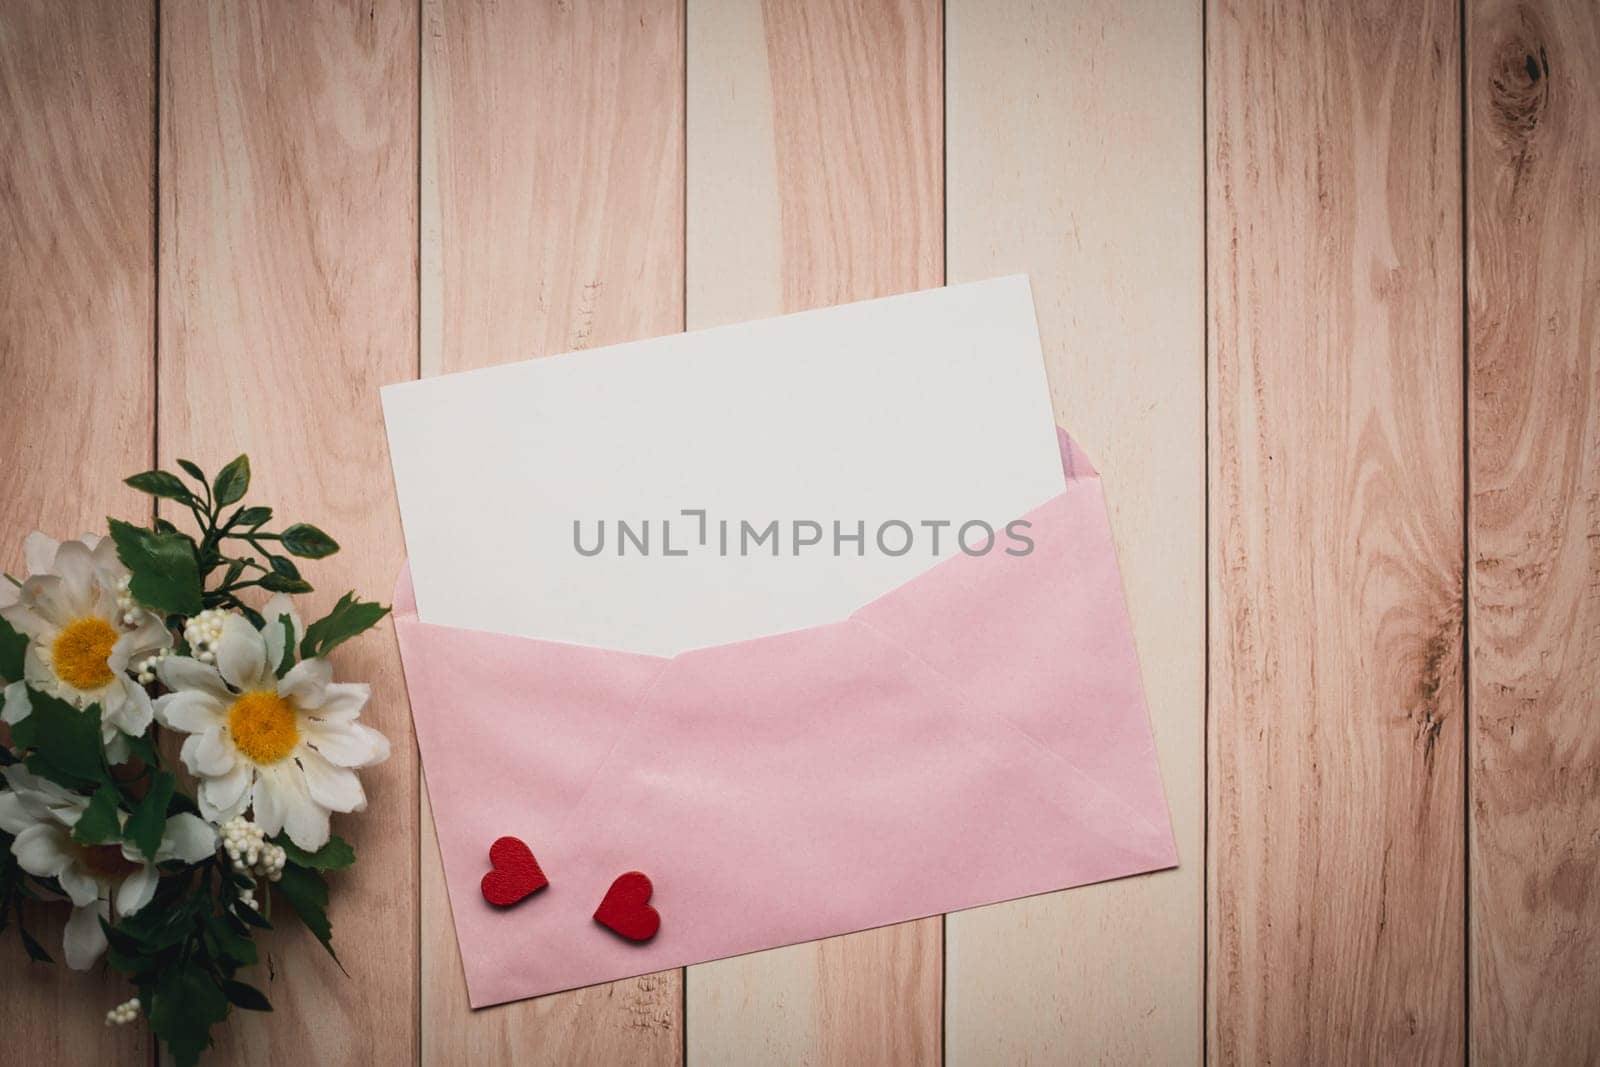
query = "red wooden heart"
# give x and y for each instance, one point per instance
(626, 909)
(515, 873)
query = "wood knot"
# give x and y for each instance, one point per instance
(1519, 86)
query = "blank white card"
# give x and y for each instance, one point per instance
(729, 483)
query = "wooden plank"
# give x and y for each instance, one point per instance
(1336, 923)
(1057, 115)
(815, 136)
(552, 221)
(77, 242)
(1533, 230)
(288, 190)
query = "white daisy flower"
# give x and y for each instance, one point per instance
(284, 748)
(84, 632)
(100, 880)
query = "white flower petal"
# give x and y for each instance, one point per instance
(242, 655)
(42, 797)
(272, 637)
(281, 802)
(187, 838)
(126, 706)
(106, 561)
(52, 599)
(137, 889)
(37, 673)
(189, 710)
(144, 640)
(39, 552)
(75, 565)
(342, 701)
(43, 849)
(116, 745)
(304, 820)
(266, 800)
(278, 605)
(347, 744)
(83, 939)
(223, 797)
(17, 706)
(24, 616)
(183, 673)
(334, 788)
(306, 683)
(208, 754)
(14, 814)
(81, 887)
(276, 610)
(105, 604)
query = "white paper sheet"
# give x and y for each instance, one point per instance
(916, 409)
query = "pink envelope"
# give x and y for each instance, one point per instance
(977, 734)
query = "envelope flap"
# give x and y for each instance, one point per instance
(510, 731)
(791, 788)
(1074, 460)
(1043, 640)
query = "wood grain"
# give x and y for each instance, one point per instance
(1075, 154)
(1336, 533)
(815, 136)
(1533, 231)
(288, 237)
(552, 221)
(77, 370)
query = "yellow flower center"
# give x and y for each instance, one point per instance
(80, 653)
(264, 726)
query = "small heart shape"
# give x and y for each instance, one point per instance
(514, 874)
(626, 908)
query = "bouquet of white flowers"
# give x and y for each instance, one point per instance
(105, 643)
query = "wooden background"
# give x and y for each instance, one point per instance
(1319, 284)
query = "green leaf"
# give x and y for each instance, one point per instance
(122, 941)
(235, 569)
(99, 823)
(193, 470)
(306, 541)
(348, 618)
(287, 661)
(149, 819)
(158, 926)
(12, 646)
(233, 481)
(165, 576)
(307, 894)
(245, 996)
(335, 855)
(250, 517)
(249, 915)
(161, 484)
(65, 741)
(232, 939)
(277, 583)
(186, 1004)
(284, 565)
